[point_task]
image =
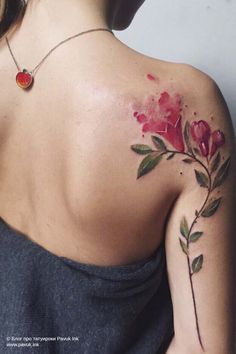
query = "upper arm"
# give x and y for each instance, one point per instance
(200, 232)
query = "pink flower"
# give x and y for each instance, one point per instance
(201, 133)
(163, 117)
(141, 118)
(204, 148)
(218, 139)
(150, 77)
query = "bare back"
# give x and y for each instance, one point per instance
(68, 173)
(73, 147)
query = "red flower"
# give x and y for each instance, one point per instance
(141, 118)
(163, 117)
(218, 139)
(201, 133)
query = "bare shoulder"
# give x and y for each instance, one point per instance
(201, 88)
(202, 217)
(206, 96)
(187, 107)
(207, 114)
(203, 98)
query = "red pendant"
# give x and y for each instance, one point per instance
(24, 79)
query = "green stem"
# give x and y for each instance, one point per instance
(194, 304)
(191, 156)
(189, 233)
(199, 213)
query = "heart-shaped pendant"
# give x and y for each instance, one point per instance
(24, 79)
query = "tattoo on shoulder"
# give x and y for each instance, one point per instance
(165, 117)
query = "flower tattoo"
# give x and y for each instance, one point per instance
(199, 145)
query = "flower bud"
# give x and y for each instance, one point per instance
(204, 148)
(218, 138)
(200, 131)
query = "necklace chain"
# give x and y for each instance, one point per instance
(55, 47)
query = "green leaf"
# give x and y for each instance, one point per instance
(221, 174)
(183, 246)
(202, 179)
(215, 163)
(141, 149)
(186, 136)
(148, 164)
(195, 236)
(189, 161)
(211, 208)
(171, 156)
(197, 152)
(160, 145)
(197, 263)
(184, 227)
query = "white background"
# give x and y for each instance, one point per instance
(198, 32)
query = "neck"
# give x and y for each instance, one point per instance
(53, 18)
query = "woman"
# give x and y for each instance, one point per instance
(116, 190)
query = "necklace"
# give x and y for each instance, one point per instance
(25, 78)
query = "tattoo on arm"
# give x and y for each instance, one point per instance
(199, 145)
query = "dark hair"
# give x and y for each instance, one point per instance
(12, 12)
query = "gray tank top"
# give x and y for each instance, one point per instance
(54, 305)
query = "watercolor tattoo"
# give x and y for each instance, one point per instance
(198, 145)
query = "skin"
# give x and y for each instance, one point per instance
(65, 150)
(198, 145)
